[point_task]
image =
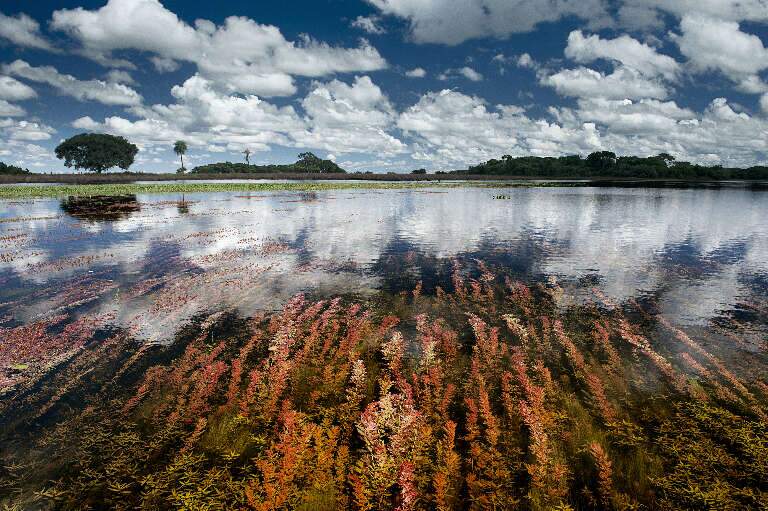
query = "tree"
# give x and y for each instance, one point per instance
(667, 158)
(308, 157)
(96, 152)
(12, 169)
(180, 148)
(419, 171)
(247, 154)
(602, 160)
(309, 162)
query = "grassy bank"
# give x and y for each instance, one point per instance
(128, 178)
(18, 192)
(118, 188)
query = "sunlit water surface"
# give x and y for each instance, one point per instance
(700, 254)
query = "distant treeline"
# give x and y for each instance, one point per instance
(11, 169)
(307, 163)
(607, 164)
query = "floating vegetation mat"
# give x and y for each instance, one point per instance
(16, 192)
(490, 394)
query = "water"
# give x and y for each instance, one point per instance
(700, 253)
(153, 353)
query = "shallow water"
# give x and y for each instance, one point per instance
(700, 254)
(603, 348)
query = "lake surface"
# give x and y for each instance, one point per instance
(569, 345)
(701, 254)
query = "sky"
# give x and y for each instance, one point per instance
(386, 85)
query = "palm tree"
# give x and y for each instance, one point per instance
(247, 154)
(180, 148)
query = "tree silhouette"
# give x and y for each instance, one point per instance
(247, 154)
(96, 152)
(180, 148)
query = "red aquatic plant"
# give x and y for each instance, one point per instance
(459, 288)
(516, 327)
(698, 349)
(548, 475)
(34, 349)
(153, 379)
(207, 380)
(488, 481)
(236, 375)
(593, 382)
(520, 295)
(602, 338)
(417, 290)
(604, 474)
(391, 431)
(641, 344)
(720, 391)
(408, 491)
(446, 479)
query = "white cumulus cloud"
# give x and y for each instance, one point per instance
(718, 135)
(23, 31)
(625, 50)
(13, 90)
(726, 10)
(347, 118)
(338, 117)
(453, 129)
(120, 76)
(26, 131)
(370, 24)
(465, 72)
(10, 110)
(716, 45)
(453, 22)
(417, 72)
(241, 54)
(623, 83)
(108, 93)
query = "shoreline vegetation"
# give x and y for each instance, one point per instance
(112, 189)
(133, 177)
(599, 166)
(607, 164)
(20, 190)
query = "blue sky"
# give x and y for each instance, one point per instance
(386, 85)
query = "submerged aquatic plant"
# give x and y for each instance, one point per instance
(490, 395)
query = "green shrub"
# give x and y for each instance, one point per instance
(11, 169)
(607, 164)
(308, 163)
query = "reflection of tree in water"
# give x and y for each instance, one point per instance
(101, 207)
(308, 197)
(183, 206)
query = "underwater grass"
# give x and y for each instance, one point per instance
(22, 192)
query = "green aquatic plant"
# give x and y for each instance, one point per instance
(714, 459)
(19, 192)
